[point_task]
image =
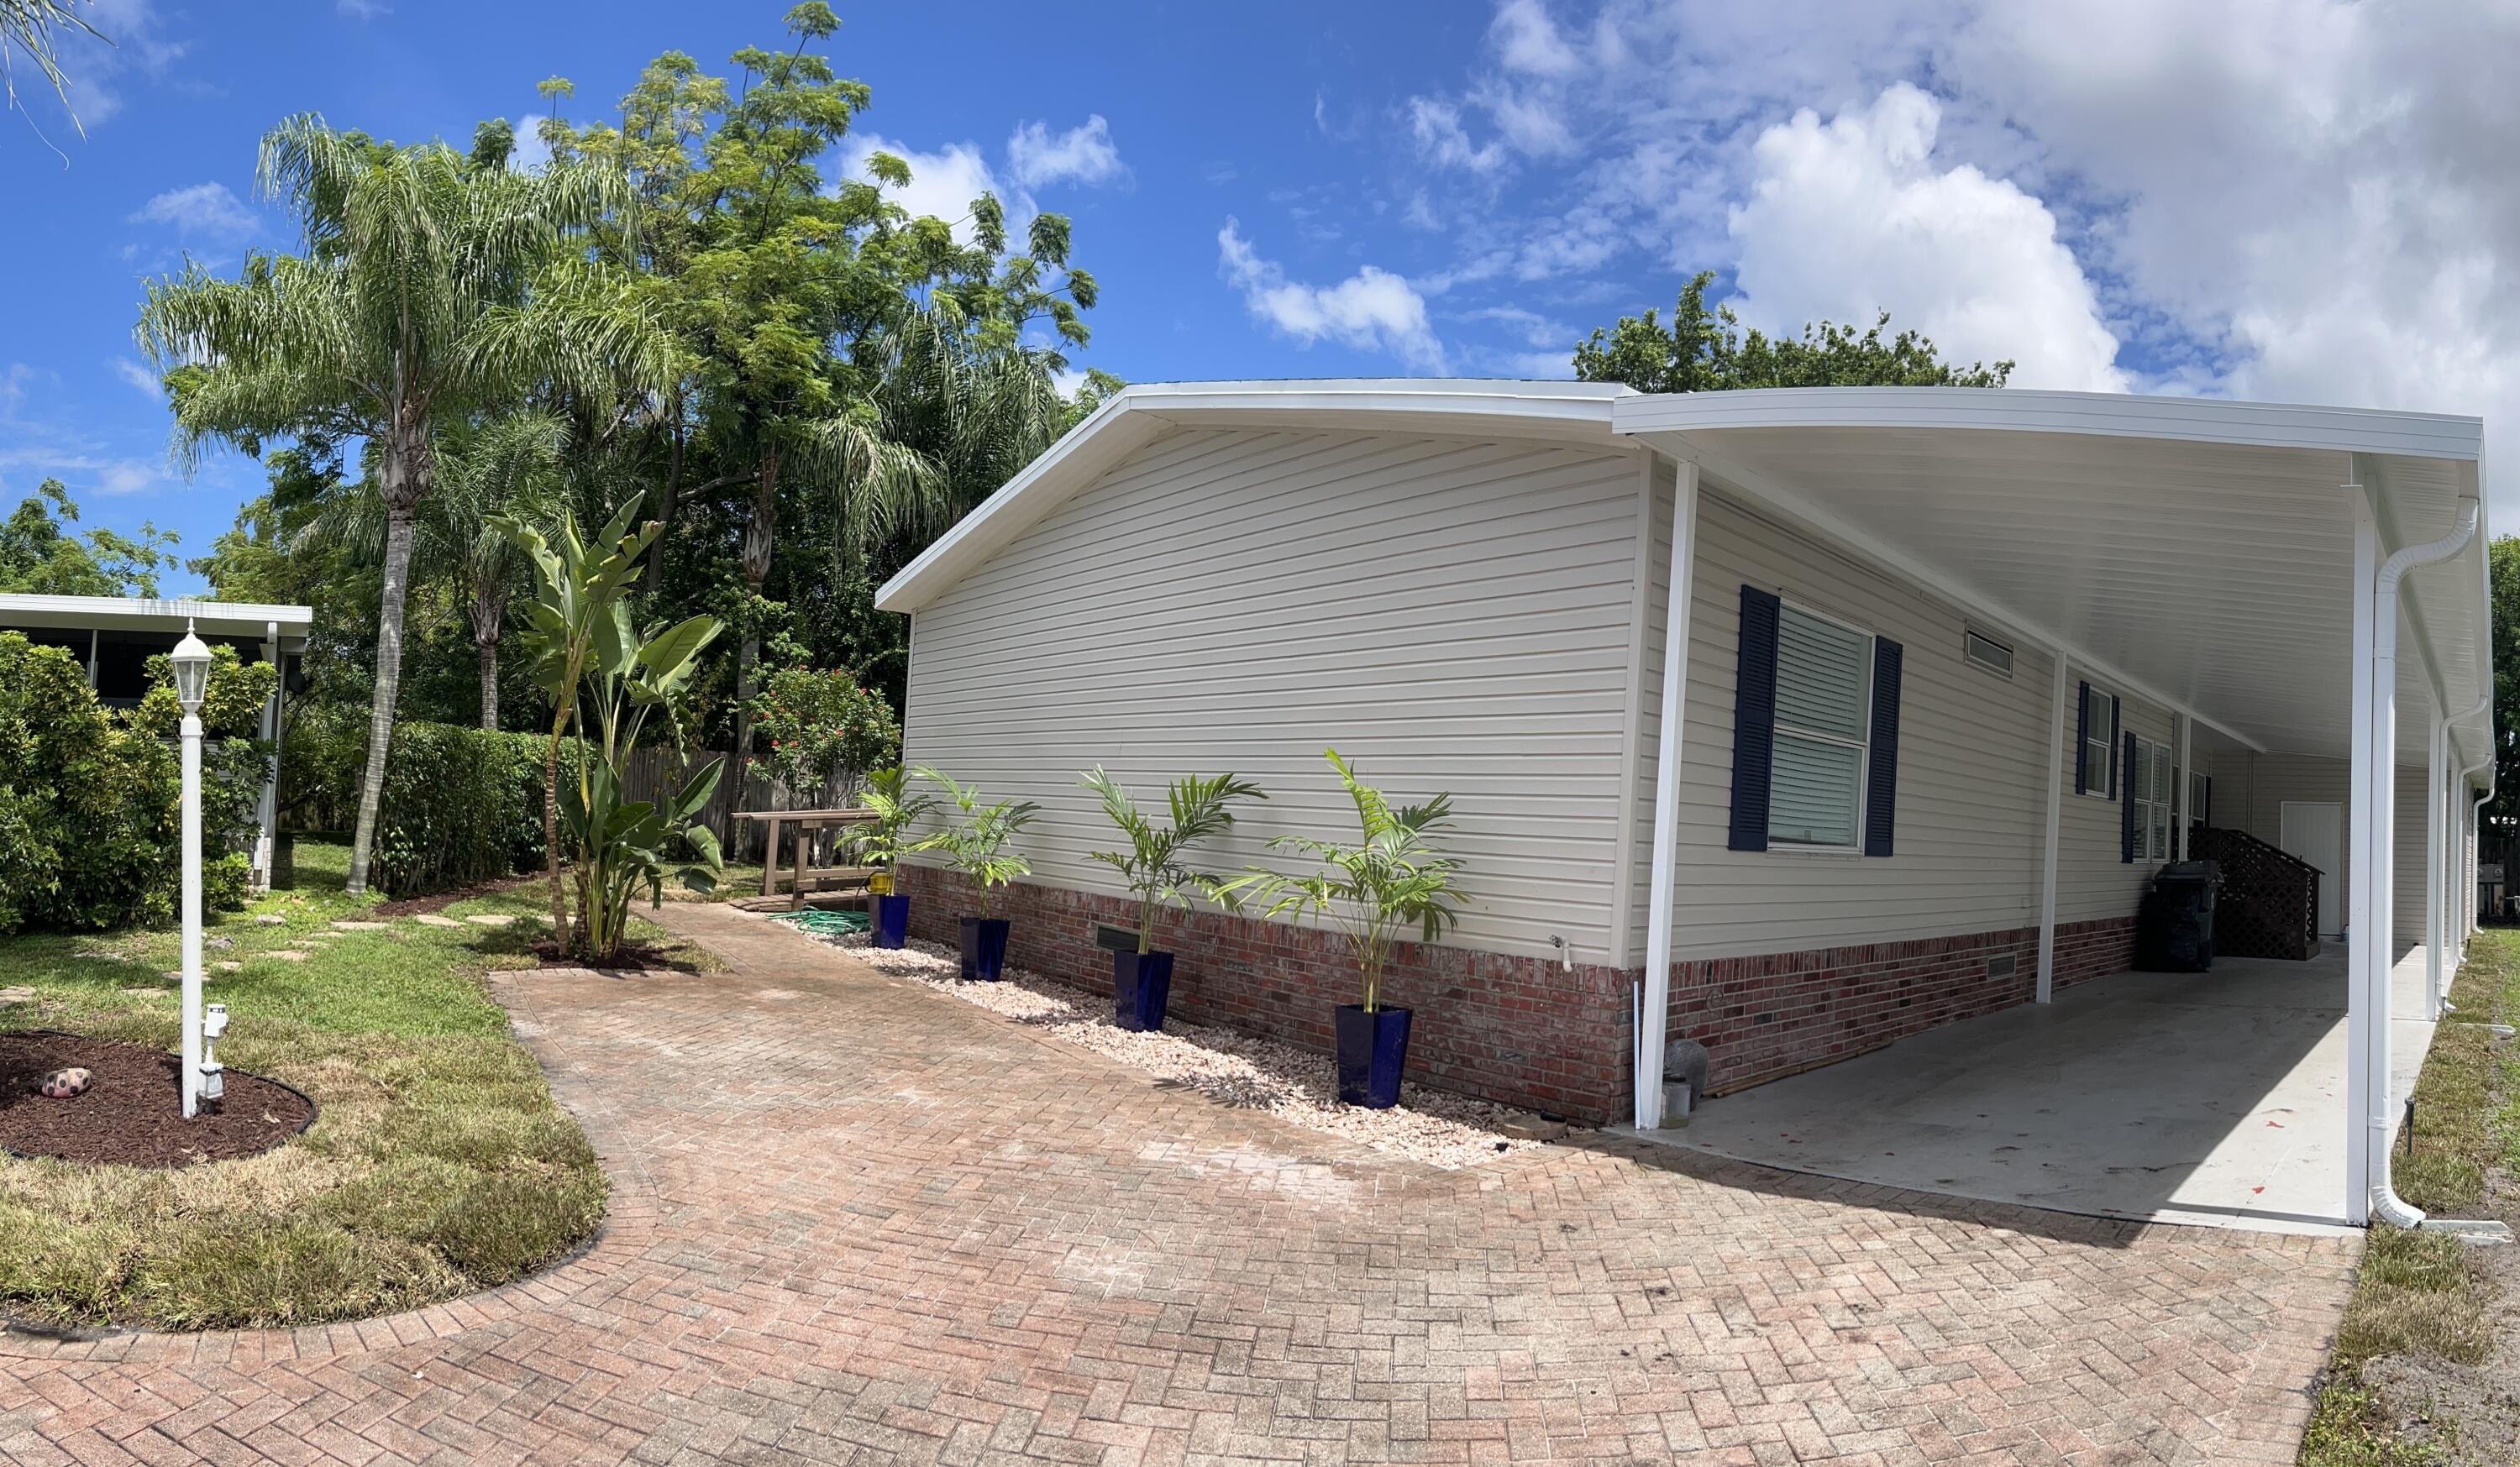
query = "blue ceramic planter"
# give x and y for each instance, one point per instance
(1371, 1049)
(891, 922)
(1141, 984)
(984, 947)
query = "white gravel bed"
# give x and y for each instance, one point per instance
(1231, 1068)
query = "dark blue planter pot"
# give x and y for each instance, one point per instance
(984, 947)
(1371, 1049)
(1143, 983)
(891, 922)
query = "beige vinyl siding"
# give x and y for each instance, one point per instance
(1648, 730)
(1972, 771)
(1450, 614)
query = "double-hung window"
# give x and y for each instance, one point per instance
(1823, 699)
(2099, 725)
(2149, 778)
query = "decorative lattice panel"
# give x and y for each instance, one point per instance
(2268, 905)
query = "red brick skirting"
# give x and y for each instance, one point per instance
(1766, 1017)
(1522, 1030)
(1518, 1030)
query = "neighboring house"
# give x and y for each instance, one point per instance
(114, 637)
(1956, 670)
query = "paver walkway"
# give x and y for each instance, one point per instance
(855, 1220)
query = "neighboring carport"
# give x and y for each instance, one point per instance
(2301, 581)
(2213, 1098)
(114, 637)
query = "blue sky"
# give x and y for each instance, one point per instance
(2285, 199)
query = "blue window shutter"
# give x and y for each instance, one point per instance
(1754, 719)
(2082, 738)
(1881, 782)
(2126, 809)
(2116, 709)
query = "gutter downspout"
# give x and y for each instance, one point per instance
(2454, 853)
(2385, 1204)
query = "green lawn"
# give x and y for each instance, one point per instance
(439, 1162)
(2417, 1295)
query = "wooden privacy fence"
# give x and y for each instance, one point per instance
(2268, 906)
(656, 773)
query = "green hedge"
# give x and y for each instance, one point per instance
(91, 807)
(461, 806)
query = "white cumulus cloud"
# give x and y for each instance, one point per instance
(1371, 310)
(1083, 153)
(204, 209)
(1856, 215)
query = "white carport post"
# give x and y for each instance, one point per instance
(1654, 1012)
(2055, 819)
(266, 842)
(2436, 793)
(2358, 883)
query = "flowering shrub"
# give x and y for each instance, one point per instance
(821, 732)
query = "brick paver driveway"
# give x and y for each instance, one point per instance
(856, 1221)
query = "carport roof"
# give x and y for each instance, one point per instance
(246, 619)
(2200, 551)
(2197, 552)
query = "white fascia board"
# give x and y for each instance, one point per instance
(219, 619)
(2194, 419)
(1825, 524)
(2373, 477)
(1137, 414)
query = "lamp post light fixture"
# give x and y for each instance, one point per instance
(191, 664)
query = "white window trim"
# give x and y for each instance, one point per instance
(2162, 755)
(2101, 698)
(1863, 745)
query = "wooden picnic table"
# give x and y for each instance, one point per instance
(806, 821)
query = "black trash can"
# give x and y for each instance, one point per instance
(2174, 927)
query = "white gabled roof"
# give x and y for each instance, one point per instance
(2195, 551)
(246, 619)
(1137, 414)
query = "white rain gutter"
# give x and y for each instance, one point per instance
(2372, 967)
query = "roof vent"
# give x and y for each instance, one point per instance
(1986, 653)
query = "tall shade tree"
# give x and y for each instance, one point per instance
(430, 290)
(1706, 350)
(799, 300)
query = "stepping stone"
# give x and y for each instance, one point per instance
(142, 993)
(10, 996)
(224, 966)
(270, 919)
(172, 975)
(434, 919)
(347, 925)
(492, 919)
(287, 954)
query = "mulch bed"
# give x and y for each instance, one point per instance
(440, 900)
(131, 1114)
(634, 958)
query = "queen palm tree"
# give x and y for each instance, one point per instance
(31, 27)
(432, 289)
(508, 468)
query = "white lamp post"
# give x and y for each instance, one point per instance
(192, 662)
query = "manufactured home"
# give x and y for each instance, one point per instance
(1797, 723)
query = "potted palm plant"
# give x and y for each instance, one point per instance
(1393, 879)
(879, 844)
(976, 846)
(1152, 867)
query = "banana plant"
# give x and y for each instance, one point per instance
(1153, 866)
(977, 845)
(881, 842)
(609, 678)
(576, 579)
(1393, 879)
